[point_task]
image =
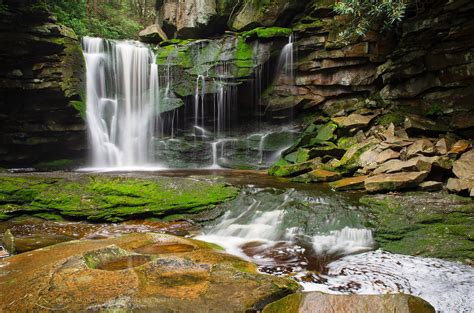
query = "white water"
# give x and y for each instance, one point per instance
(446, 285)
(122, 101)
(286, 61)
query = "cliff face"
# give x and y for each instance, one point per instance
(431, 71)
(40, 88)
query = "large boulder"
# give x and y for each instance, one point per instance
(136, 272)
(195, 18)
(464, 166)
(254, 13)
(316, 302)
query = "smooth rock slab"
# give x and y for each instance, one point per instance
(314, 302)
(110, 275)
(318, 175)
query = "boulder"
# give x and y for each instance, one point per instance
(397, 181)
(350, 183)
(316, 302)
(255, 13)
(457, 185)
(443, 145)
(153, 34)
(464, 167)
(285, 169)
(318, 175)
(136, 272)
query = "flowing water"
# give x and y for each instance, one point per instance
(122, 101)
(318, 238)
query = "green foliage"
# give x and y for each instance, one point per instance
(111, 20)
(367, 13)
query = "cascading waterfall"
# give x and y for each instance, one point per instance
(122, 101)
(286, 61)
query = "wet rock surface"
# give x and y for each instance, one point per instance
(109, 275)
(109, 198)
(320, 302)
(424, 224)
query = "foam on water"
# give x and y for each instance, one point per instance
(446, 285)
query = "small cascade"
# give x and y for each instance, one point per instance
(345, 241)
(286, 62)
(261, 146)
(199, 100)
(122, 101)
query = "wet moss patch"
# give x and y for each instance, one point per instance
(424, 224)
(108, 198)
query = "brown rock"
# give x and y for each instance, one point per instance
(393, 166)
(353, 121)
(316, 302)
(460, 146)
(350, 183)
(443, 145)
(318, 175)
(419, 124)
(387, 155)
(459, 185)
(145, 272)
(153, 34)
(397, 181)
(431, 186)
(422, 146)
(464, 166)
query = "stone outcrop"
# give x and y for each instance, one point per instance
(153, 34)
(144, 272)
(40, 89)
(317, 302)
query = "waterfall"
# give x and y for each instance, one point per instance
(122, 101)
(286, 62)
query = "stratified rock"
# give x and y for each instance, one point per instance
(397, 181)
(460, 146)
(316, 302)
(431, 186)
(144, 272)
(350, 183)
(353, 121)
(318, 175)
(153, 34)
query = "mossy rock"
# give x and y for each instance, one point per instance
(108, 198)
(424, 224)
(267, 33)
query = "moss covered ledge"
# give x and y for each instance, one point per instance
(423, 224)
(109, 198)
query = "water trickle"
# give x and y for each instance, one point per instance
(122, 101)
(286, 62)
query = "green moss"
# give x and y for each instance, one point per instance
(396, 118)
(56, 165)
(49, 216)
(109, 198)
(426, 224)
(288, 304)
(243, 54)
(267, 32)
(346, 142)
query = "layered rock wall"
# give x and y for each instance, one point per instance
(40, 88)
